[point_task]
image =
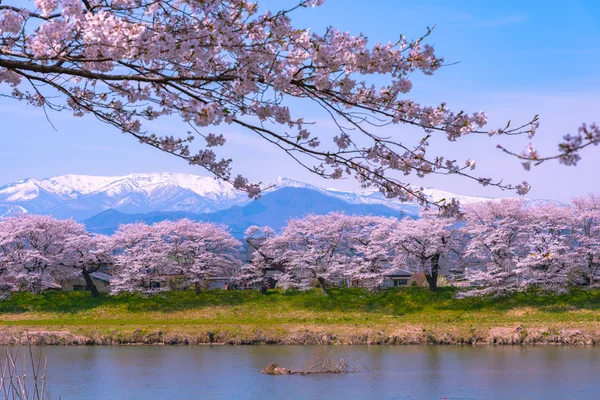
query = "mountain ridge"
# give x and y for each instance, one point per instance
(273, 209)
(84, 196)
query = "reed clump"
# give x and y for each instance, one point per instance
(23, 375)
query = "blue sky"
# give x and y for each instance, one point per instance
(514, 59)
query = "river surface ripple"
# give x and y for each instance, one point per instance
(395, 372)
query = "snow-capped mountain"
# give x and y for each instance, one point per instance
(374, 196)
(82, 196)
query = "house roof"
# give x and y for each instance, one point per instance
(101, 276)
(399, 272)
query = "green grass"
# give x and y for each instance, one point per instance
(280, 312)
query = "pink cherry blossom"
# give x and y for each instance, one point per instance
(208, 63)
(147, 256)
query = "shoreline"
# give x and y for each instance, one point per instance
(410, 316)
(407, 335)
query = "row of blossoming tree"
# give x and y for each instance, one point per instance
(497, 246)
(37, 249)
(501, 246)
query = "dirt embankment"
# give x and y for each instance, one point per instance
(407, 335)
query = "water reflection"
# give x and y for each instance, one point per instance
(131, 372)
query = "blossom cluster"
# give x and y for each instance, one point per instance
(512, 247)
(212, 62)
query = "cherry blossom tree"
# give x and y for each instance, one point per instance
(141, 259)
(199, 250)
(86, 253)
(372, 253)
(548, 239)
(586, 253)
(33, 248)
(315, 247)
(422, 244)
(497, 237)
(259, 259)
(212, 62)
(7, 279)
(146, 255)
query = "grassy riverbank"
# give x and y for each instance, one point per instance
(347, 316)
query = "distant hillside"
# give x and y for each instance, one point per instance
(82, 196)
(272, 209)
(104, 202)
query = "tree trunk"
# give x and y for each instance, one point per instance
(263, 288)
(323, 285)
(433, 276)
(590, 270)
(197, 288)
(89, 282)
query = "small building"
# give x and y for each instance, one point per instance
(397, 278)
(218, 282)
(101, 281)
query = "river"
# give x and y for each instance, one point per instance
(402, 372)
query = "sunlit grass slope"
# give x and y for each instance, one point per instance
(410, 315)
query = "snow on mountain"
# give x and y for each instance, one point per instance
(82, 196)
(72, 186)
(19, 191)
(374, 196)
(359, 197)
(7, 210)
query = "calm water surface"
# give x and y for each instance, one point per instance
(395, 373)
